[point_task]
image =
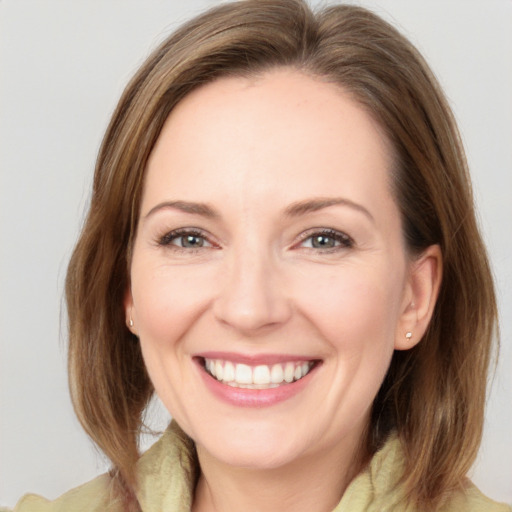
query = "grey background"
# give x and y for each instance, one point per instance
(63, 66)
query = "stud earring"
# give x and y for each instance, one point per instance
(408, 335)
(130, 322)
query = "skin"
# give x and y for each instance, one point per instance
(250, 149)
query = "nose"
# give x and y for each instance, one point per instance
(252, 297)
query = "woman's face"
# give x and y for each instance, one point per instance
(269, 280)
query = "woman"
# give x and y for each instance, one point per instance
(281, 243)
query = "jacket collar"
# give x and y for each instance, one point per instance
(168, 473)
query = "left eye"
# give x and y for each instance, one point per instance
(327, 240)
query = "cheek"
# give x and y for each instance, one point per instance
(353, 307)
(355, 312)
(167, 302)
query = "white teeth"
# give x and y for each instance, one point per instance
(229, 372)
(258, 377)
(277, 374)
(261, 374)
(219, 370)
(243, 374)
(289, 371)
(252, 386)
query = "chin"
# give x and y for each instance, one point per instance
(254, 458)
(259, 447)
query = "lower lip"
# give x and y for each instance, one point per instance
(243, 397)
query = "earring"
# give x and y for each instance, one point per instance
(408, 335)
(130, 322)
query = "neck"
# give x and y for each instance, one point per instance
(309, 483)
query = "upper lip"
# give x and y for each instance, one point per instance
(254, 359)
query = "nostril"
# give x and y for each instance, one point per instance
(251, 313)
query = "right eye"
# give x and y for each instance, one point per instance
(185, 239)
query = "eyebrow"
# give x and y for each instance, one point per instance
(293, 210)
(202, 209)
(315, 204)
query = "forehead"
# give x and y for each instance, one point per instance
(282, 129)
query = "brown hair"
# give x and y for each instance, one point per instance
(433, 395)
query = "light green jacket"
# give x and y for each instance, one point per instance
(167, 476)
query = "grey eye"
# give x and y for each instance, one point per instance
(190, 241)
(328, 239)
(323, 242)
(185, 239)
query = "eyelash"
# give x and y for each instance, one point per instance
(167, 239)
(344, 241)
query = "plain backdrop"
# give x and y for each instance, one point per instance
(63, 67)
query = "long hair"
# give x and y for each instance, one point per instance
(433, 395)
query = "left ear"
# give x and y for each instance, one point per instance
(129, 311)
(420, 295)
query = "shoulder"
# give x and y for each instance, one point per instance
(94, 496)
(379, 487)
(470, 499)
(166, 475)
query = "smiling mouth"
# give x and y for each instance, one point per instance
(260, 376)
